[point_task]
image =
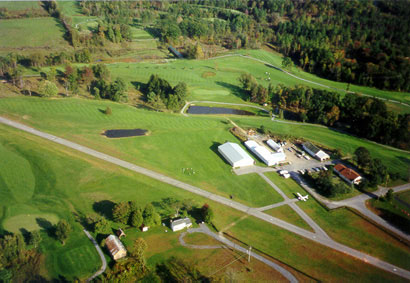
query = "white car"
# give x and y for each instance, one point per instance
(325, 168)
(306, 157)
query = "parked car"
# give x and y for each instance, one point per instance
(306, 157)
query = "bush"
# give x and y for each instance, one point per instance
(108, 111)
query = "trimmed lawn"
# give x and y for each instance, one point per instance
(286, 213)
(321, 263)
(175, 142)
(19, 33)
(348, 228)
(19, 5)
(288, 186)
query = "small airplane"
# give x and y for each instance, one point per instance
(300, 197)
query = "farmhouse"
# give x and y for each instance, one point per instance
(116, 248)
(276, 147)
(235, 155)
(347, 174)
(264, 154)
(180, 224)
(315, 151)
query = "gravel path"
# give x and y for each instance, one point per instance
(100, 253)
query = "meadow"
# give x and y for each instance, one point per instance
(320, 263)
(15, 34)
(20, 5)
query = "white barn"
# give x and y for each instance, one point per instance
(276, 147)
(235, 155)
(315, 151)
(264, 154)
(180, 224)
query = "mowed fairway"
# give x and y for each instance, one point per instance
(176, 143)
(37, 33)
(19, 5)
(223, 85)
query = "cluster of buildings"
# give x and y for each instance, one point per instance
(238, 157)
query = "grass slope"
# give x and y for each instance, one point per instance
(19, 5)
(319, 262)
(175, 142)
(27, 34)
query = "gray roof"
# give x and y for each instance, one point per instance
(234, 152)
(185, 221)
(314, 149)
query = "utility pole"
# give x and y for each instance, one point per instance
(249, 254)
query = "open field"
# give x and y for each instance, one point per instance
(19, 5)
(306, 256)
(352, 230)
(285, 212)
(189, 142)
(78, 184)
(85, 187)
(28, 35)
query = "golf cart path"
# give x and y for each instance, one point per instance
(204, 229)
(318, 238)
(100, 253)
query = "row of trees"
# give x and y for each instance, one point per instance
(324, 184)
(363, 116)
(130, 213)
(160, 94)
(375, 171)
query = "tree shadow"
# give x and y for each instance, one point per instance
(104, 208)
(235, 90)
(153, 32)
(26, 234)
(30, 93)
(214, 148)
(139, 86)
(46, 225)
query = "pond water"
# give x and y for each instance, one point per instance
(124, 133)
(216, 110)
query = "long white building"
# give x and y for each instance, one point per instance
(264, 154)
(276, 147)
(235, 155)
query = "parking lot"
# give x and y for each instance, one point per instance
(297, 161)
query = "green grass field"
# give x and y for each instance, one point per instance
(176, 142)
(352, 230)
(314, 260)
(405, 196)
(19, 5)
(285, 212)
(27, 34)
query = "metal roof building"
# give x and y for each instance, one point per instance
(264, 154)
(115, 246)
(180, 224)
(315, 151)
(274, 146)
(235, 155)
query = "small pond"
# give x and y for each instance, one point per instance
(124, 133)
(216, 110)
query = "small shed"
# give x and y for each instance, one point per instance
(180, 224)
(115, 247)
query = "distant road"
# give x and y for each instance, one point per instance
(318, 238)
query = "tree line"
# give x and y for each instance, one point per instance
(363, 116)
